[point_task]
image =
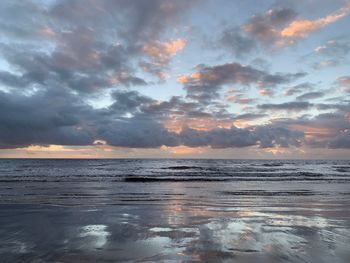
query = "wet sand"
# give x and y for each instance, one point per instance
(179, 222)
(94, 219)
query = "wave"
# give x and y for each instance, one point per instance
(173, 179)
(272, 164)
(183, 167)
(271, 193)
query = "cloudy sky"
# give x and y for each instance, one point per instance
(184, 78)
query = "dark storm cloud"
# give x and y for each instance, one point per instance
(138, 133)
(128, 102)
(289, 106)
(37, 120)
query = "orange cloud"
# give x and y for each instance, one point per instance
(344, 81)
(183, 79)
(241, 124)
(301, 28)
(162, 52)
(201, 124)
(315, 133)
(276, 150)
(173, 47)
(184, 150)
(265, 92)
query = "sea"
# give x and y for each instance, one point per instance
(174, 210)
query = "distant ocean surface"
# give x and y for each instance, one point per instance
(133, 210)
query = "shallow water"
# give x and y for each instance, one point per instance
(174, 211)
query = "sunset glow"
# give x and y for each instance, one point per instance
(163, 78)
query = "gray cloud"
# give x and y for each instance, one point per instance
(69, 121)
(299, 88)
(237, 42)
(263, 136)
(58, 53)
(210, 80)
(289, 106)
(311, 95)
(250, 116)
(334, 49)
(37, 120)
(344, 83)
(72, 43)
(329, 130)
(263, 27)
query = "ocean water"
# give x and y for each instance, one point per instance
(133, 210)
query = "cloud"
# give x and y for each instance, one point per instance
(301, 28)
(128, 102)
(262, 136)
(237, 42)
(58, 56)
(70, 121)
(205, 84)
(72, 43)
(325, 64)
(299, 88)
(131, 122)
(329, 130)
(344, 83)
(310, 95)
(264, 27)
(36, 120)
(288, 106)
(331, 54)
(250, 116)
(160, 54)
(137, 133)
(333, 48)
(281, 27)
(239, 98)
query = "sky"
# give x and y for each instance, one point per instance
(175, 79)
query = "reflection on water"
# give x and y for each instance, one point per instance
(179, 230)
(97, 233)
(179, 221)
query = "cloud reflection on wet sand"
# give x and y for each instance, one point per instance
(190, 224)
